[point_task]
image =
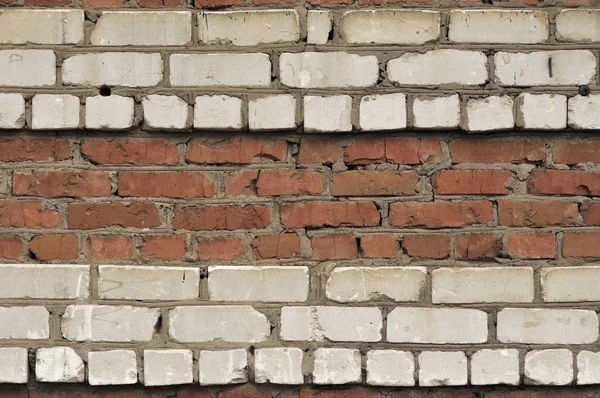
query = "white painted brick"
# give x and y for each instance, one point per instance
(44, 281)
(230, 323)
(264, 284)
(482, 285)
(113, 113)
(588, 367)
(498, 26)
(331, 323)
(223, 367)
(165, 112)
(327, 113)
(439, 67)
(275, 112)
(142, 28)
(30, 323)
(358, 284)
(542, 111)
(27, 68)
(14, 366)
(390, 368)
(59, 365)
(570, 23)
(330, 69)
(540, 68)
(168, 367)
(116, 367)
(570, 284)
(113, 69)
(50, 111)
(437, 325)
(12, 111)
(243, 70)
(279, 365)
(434, 113)
(318, 25)
(218, 112)
(382, 112)
(490, 113)
(41, 26)
(109, 323)
(490, 367)
(547, 326)
(549, 367)
(442, 368)
(390, 26)
(337, 366)
(248, 28)
(584, 112)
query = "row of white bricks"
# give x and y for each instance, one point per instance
(320, 113)
(249, 28)
(286, 366)
(337, 69)
(290, 284)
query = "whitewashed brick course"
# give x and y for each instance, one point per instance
(31, 322)
(55, 112)
(116, 367)
(14, 365)
(437, 325)
(337, 366)
(331, 69)
(59, 365)
(244, 70)
(498, 26)
(265, 284)
(318, 25)
(358, 284)
(440, 368)
(165, 112)
(584, 112)
(382, 112)
(229, 323)
(572, 284)
(223, 367)
(218, 112)
(489, 367)
(390, 368)
(588, 367)
(390, 26)
(542, 111)
(547, 326)
(570, 26)
(41, 26)
(279, 365)
(482, 285)
(44, 281)
(109, 323)
(539, 68)
(27, 68)
(12, 111)
(142, 28)
(297, 324)
(168, 367)
(439, 67)
(549, 367)
(327, 113)
(111, 113)
(113, 69)
(490, 113)
(439, 112)
(248, 28)
(275, 112)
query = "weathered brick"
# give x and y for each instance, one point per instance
(104, 215)
(336, 247)
(276, 246)
(28, 68)
(536, 213)
(412, 150)
(329, 214)
(532, 245)
(323, 151)
(220, 249)
(289, 182)
(224, 217)
(28, 214)
(564, 182)
(379, 246)
(170, 184)
(137, 152)
(54, 247)
(44, 281)
(471, 246)
(11, 246)
(471, 182)
(583, 244)
(374, 183)
(34, 149)
(440, 214)
(574, 151)
(163, 247)
(235, 150)
(62, 183)
(221, 69)
(428, 246)
(241, 183)
(590, 212)
(496, 151)
(110, 248)
(41, 26)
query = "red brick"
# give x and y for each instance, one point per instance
(335, 393)
(379, 246)
(320, 151)
(374, 183)
(471, 182)
(496, 151)
(477, 246)
(427, 246)
(289, 182)
(559, 393)
(61, 392)
(412, 150)
(54, 247)
(122, 394)
(13, 392)
(171, 184)
(241, 183)
(234, 150)
(317, 2)
(334, 247)
(62, 183)
(590, 212)
(102, 3)
(220, 248)
(583, 244)
(245, 394)
(434, 393)
(440, 214)
(224, 217)
(35, 149)
(104, 215)
(276, 246)
(165, 247)
(365, 151)
(194, 392)
(161, 3)
(10, 247)
(28, 214)
(329, 214)
(261, 2)
(574, 152)
(110, 248)
(536, 213)
(564, 182)
(130, 152)
(532, 245)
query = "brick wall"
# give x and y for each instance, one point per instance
(289, 200)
